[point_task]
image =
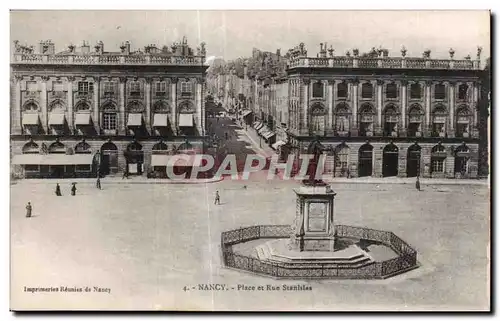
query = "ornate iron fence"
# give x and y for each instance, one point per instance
(406, 259)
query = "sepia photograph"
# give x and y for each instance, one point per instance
(250, 160)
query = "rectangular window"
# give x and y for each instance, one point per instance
(109, 121)
(439, 91)
(85, 87)
(438, 165)
(135, 88)
(415, 91)
(186, 88)
(109, 87)
(57, 86)
(462, 92)
(82, 168)
(31, 168)
(391, 91)
(318, 89)
(161, 88)
(31, 86)
(342, 90)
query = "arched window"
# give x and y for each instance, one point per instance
(31, 148)
(57, 106)
(82, 106)
(57, 148)
(185, 147)
(391, 91)
(342, 119)
(82, 148)
(318, 89)
(342, 90)
(462, 91)
(30, 106)
(439, 91)
(415, 120)
(186, 88)
(342, 152)
(367, 90)
(186, 107)
(317, 126)
(135, 107)
(366, 120)
(160, 148)
(109, 116)
(463, 121)
(415, 91)
(391, 119)
(439, 116)
(161, 107)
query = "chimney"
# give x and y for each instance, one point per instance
(85, 47)
(127, 47)
(46, 47)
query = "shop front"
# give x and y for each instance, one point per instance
(56, 165)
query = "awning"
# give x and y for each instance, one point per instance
(258, 125)
(56, 119)
(31, 119)
(134, 120)
(166, 160)
(268, 135)
(246, 113)
(52, 159)
(185, 120)
(278, 144)
(160, 120)
(82, 119)
(263, 129)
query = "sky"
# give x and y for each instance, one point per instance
(233, 34)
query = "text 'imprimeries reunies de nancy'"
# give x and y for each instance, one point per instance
(245, 287)
(85, 289)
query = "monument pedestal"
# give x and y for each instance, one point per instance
(314, 228)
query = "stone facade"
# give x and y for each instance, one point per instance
(114, 98)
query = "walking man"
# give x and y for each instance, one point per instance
(98, 182)
(73, 189)
(417, 184)
(58, 190)
(217, 198)
(28, 209)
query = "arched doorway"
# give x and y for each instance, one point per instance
(317, 125)
(390, 160)
(109, 159)
(366, 120)
(365, 167)
(462, 156)
(438, 161)
(134, 158)
(391, 119)
(413, 160)
(342, 152)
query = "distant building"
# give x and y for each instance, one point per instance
(87, 110)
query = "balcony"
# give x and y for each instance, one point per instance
(383, 62)
(116, 59)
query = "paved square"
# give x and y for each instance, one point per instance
(147, 242)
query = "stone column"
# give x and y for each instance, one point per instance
(121, 115)
(148, 120)
(378, 128)
(198, 100)
(43, 104)
(475, 101)
(404, 91)
(428, 125)
(451, 124)
(71, 113)
(305, 105)
(17, 118)
(173, 91)
(95, 117)
(331, 106)
(355, 98)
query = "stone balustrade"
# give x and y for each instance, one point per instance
(89, 59)
(382, 62)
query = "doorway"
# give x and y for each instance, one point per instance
(109, 159)
(365, 160)
(413, 161)
(390, 161)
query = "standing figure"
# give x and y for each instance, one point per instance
(73, 189)
(125, 174)
(58, 190)
(417, 184)
(217, 198)
(28, 209)
(98, 182)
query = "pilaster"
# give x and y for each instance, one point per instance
(305, 124)
(17, 118)
(121, 114)
(43, 103)
(96, 117)
(404, 102)
(451, 120)
(428, 127)
(147, 89)
(173, 94)
(378, 128)
(70, 103)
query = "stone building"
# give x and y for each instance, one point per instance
(386, 116)
(82, 111)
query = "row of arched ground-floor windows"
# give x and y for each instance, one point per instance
(339, 161)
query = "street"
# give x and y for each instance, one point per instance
(150, 244)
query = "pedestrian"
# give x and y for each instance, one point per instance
(29, 208)
(227, 136)
(417, 184)
(73, 189)
(58, 190)
(217, 198)
(125, 174)
(98, 182)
